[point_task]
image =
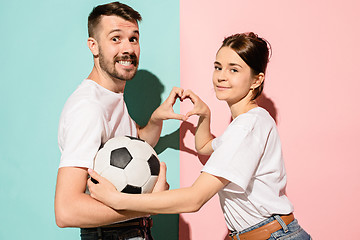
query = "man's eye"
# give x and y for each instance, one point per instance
(115, 39)
(134, 39)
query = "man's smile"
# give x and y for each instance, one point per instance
(125, 63)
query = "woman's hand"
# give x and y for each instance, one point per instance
(203, 136)
(200, 108)
(103, 191)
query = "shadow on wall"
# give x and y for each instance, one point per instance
(142, 96)
(268, 104)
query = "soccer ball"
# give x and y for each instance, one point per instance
(129, 163)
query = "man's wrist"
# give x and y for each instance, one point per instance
(154, 119)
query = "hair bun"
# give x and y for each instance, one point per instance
(252, 35)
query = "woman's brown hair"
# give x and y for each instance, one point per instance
(253, 50)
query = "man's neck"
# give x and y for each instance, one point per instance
(106, 81)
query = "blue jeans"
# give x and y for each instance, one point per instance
(292, 231)
(129, 233)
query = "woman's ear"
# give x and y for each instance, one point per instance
(93, 46)
(258, 80)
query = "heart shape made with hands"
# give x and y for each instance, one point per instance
(199, 107)
(188, 103)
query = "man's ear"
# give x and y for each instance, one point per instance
(93, 46)
(258, 80)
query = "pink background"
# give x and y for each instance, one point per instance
(311, 89)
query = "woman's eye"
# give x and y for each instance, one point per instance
(217, 68)
(234, 70)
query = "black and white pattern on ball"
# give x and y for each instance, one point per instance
(131, 189)
(129, 163)
(154, 165)
(134, 138)
(120, 157)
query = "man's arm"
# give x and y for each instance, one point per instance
(151, 132)
(74, 208)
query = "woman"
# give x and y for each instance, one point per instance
(246, 166)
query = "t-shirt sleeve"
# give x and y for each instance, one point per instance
(81, 135)
(236, 156)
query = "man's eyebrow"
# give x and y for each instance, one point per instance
(119, 30)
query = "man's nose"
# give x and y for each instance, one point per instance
(127, 47)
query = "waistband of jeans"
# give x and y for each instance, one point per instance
(264, 231)
(145, 222)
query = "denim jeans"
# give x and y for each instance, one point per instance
(293, 231)
(130, 233)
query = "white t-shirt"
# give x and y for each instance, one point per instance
(91, 116)
(249, 155)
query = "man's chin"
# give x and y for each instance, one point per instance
(125, 77)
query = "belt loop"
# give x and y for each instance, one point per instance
(282, 223)
(99, 232)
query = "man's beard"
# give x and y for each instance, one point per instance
(109, 67)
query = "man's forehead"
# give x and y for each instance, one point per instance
(113, 22)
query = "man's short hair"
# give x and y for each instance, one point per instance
(109, 9)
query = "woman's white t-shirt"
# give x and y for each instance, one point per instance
(249, 155)
(91, 116)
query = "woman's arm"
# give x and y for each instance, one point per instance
(203, 136)
(189, 199)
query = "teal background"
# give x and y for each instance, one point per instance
(44, 57)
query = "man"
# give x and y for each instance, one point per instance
(96, 112)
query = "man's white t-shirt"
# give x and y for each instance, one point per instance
(91, 116)
(249, 155)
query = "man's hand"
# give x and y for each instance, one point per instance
(151, 132)
(161, 184)
(165, 110)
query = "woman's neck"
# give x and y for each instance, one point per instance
(241, 107)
